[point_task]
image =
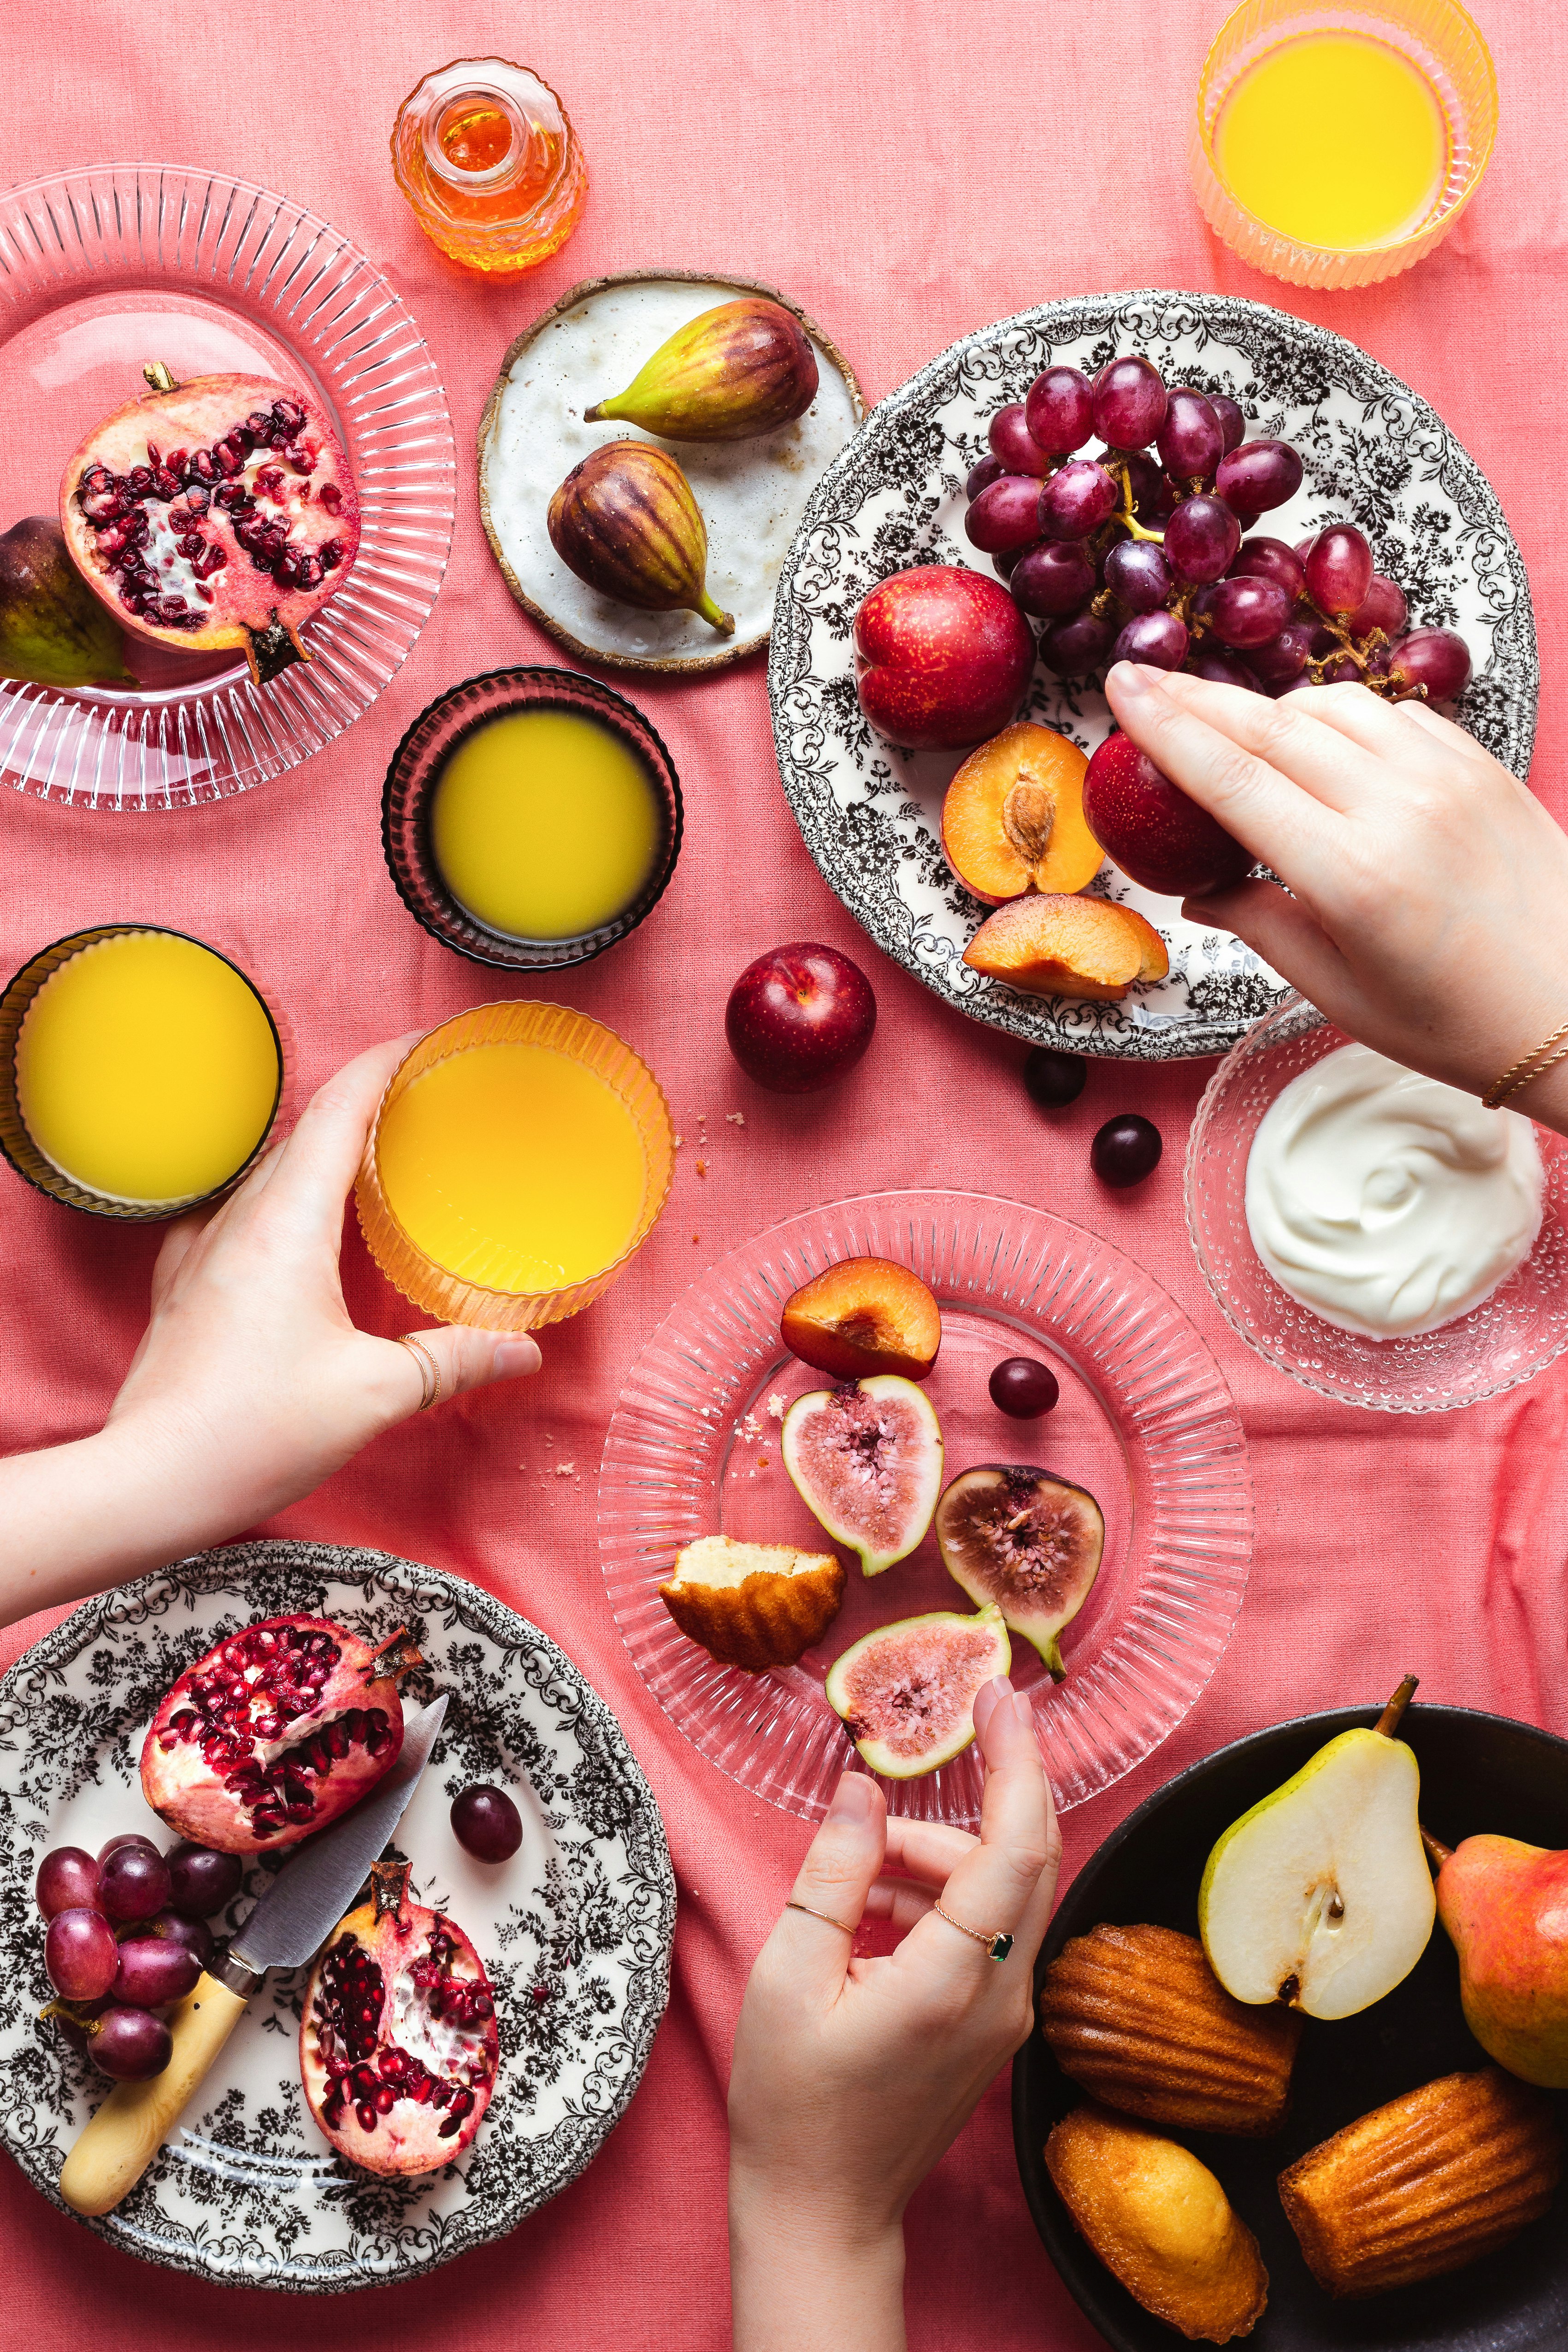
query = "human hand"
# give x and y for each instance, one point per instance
(1428, 881)
(852, 2076)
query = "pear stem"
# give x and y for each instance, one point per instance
(1388, 1721)
(1437, 1854)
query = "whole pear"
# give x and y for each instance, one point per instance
(53, 629)
(1505, 1907)
(740, 368)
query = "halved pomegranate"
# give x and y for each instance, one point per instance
(398, 2045)
(217, 512)
(275, 1733)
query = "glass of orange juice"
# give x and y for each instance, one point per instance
(1336, 144)
(520, 1157)
(139, 1072)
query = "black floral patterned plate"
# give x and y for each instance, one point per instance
(1374, 453)
(574, 1930)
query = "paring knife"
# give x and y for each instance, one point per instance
(286, 1928)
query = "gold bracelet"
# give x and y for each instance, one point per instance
(1529, 1066)
(1539, 1071)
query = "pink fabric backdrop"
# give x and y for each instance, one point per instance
(906, 172)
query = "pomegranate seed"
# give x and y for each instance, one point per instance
(228, 459)
(289, 413)
(166, 484)
(175, 460)
(138, 479)
(330, 496)
(269, 482)
(367, 2116)
(386, 2099)
(192, 543)
(214, 561)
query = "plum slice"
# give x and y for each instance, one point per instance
(1029, 1542)
(865, 1458)
(907, 1692)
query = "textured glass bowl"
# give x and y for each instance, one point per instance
(1145, 1421)
(104, 269)
(418, 761)
(15, 1140)
(452, 1298)
(1437, 38)
(1510, 1336)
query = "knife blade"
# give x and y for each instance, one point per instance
(293, 1919)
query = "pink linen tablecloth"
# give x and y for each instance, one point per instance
(906, 172)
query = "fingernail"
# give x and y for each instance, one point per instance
(852, 1799)
(1024, 1708)
(1134, 678)
(515, 1356)
(999, 1688)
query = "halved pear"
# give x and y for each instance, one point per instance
(1320, 1895)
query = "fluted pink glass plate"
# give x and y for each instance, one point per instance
(1145, 1421)
(107, 268)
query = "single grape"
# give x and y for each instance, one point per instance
(126, 1837)
(1125, 1150)
(1190, 442)
(66, 1881)
(1023, 1388)
(131, 2045)
(1438, 659)
(1232, 424)
(1072, 648)
(175, 1927)
(201, 1882)
(1323, 643)
(153, 1971)
(1052, 1078)
(1059, 410)
(1005, 561)
(1161, 639)
(1270, 558)
(1012, 441)
(1076, 500)
(1223, 669)
(1346, 671)
(1284, 656)
(133, 1884)
(80, 1954)
(1200, 538)
(1383, 607)
(487, 1824)
(75, 2024)
(1005, 515)
(1246, 611)
(1257, 475)
(981, 477)
(1129, 403)
(1137, 571)
(1339, 569)
(1053, 579)
(1153, 500)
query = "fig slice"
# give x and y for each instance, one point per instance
(865, 1459)
(1028, 1541)
(907, 1692)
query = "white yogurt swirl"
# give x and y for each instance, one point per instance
(1387, 1202)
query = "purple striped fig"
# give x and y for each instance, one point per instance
(744, 368)
(625, 522)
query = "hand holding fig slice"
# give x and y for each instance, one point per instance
(739, 368)
(1028, 1542)
(398, 2044)
(625, 522)
(865, 1458)
(907, 1692)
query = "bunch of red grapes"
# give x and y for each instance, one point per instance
(1138, 554)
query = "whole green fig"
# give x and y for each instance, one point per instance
(53, 630)
(744, 368)
(625, 522)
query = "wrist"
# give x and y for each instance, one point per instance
(812, 2271)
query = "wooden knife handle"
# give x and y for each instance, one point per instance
(133, 2122)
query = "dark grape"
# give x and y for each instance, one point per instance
(1284, 656)
(66, 1881)
(133, 1884)
(1007, 514)
(1125, 1150)
(1323, 643)
(1223, 669)
(487, 1824)
(1232, 424)
(1339, 569)
(981, 477)
(1270, 558)
(1052, 579)
(1007, 559)
(1072, 648)
(1346, 671)
(1052, 1078)
(1257, 475)
(1076, 500)
(1129, 403)
(175, 1927)
(126, 1837)
(1190, 441)
(1383, 607)
(1012, 441)
(1153, 500)
(131, 2045)
(1159, 639)
(1437, 659)
(1059, 410)
(1200, 538)
(1023, 1388)
(201, 1882)
(153, 1971)
(1137, 571)
(75, 2027)
(1246, 611)
(80, 1954)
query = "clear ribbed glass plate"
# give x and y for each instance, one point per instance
(1145, 1421)
(106, 268)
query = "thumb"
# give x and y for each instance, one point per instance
(467, 1358)
(843, 1863)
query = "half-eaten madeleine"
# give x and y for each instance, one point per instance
(753, 1605)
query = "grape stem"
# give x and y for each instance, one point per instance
(1127, 513)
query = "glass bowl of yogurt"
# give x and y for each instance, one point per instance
(1379, 1236)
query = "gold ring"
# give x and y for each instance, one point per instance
(429, 1370)
(825, 1915)
(997, 1942)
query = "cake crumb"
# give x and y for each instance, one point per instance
(762, 1460)
(565, 1469)
(702, 1167)
(697, 1237)
(679, 1142)
(736, 1118)
(775, 1406)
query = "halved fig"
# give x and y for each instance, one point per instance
(865, 1315)
(753, 1605)
(1012, 1534)
(865, 1458)
(907, 1692)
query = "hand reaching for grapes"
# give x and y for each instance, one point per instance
(1426, 883)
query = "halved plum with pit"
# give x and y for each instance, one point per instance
(862, 1317)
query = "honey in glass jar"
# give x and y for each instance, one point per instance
(486, 154)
